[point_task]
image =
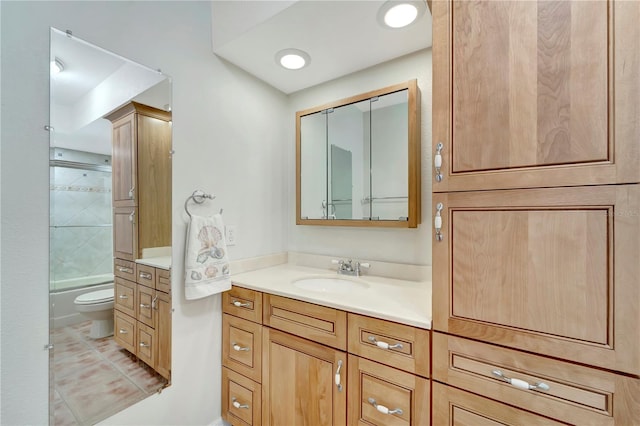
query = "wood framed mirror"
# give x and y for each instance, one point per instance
(358, 160)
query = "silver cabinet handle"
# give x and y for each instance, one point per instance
(131, 216)
(384, 345)
(337, 376)
(131, 192)
(383, 409)
(145, 275)
(123, 297)
(520, 384)
(437, 161)
(437, 222)
(125, 269)
(239, 304)
(154, 303)
(238, 348)
(236, 404)
(145, 306)
(123, 331)
(144, 345)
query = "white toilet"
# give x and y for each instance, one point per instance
(97, 305)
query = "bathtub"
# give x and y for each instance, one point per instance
(63, 311)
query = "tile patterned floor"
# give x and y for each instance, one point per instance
(95, 378)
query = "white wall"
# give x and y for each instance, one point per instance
(229, 140)
(392, 245)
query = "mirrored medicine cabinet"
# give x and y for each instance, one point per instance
(358, 160)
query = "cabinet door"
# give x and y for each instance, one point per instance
(124, 163)
(536, 93)
(162, 307)
(125, 233)
(455, 407)
(299, 382)
(383, 396)
(242, 346)
(552, 271)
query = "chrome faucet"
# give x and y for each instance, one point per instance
(348, 267)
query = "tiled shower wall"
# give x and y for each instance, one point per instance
(81, 249)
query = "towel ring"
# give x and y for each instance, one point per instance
(198, 197)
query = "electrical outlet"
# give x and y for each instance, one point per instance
(231, 234)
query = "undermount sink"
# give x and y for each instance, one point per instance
(330, 284)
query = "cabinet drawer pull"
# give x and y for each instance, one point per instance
(145, 275)
(437, 222)
(383, 409)
(384, 345)
(236, 404)
(238, 348)
(144, 345)
(131, 192)
(145, 306)
(123, 297)
(125, 269)
(337, 376)
(154, 303)
(131, 216)
(437, 161)
(239, 304)
(123, 331)
(520, 384)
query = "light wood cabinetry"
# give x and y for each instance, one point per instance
(382, 395)
(141, 187)
(295, 354)
(537, 210)
(536, 94)
(300, 382)
(143, 316)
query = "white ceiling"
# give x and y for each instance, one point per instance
(342, 37)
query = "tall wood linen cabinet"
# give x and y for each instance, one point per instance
(536, 198)
(141, 191)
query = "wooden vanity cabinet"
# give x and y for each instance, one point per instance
(142, 316)
(295, 353)
(303, 382)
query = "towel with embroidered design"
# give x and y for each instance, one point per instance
(206, 264)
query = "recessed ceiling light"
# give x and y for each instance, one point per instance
(293, 59)
(56, 66)
(399, 14)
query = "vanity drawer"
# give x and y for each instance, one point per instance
(576, 394)
(397, 345)
(453, 406)
(241, 399)
(124, 331)
(314, 322)
(145, 299)
(375, 388)
(243, 303)
(125, 269)
(163, 280)
(125, 296)
(146, 275)
(242, 346)
(146, 346)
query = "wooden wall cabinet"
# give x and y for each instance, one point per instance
(535, 93)
(304, 372)
(141, 188)
(536, 201)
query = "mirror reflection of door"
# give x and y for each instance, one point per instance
(341, 183)
(92, 378)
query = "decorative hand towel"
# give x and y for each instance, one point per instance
(206, 264)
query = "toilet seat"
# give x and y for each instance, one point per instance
(94, 297)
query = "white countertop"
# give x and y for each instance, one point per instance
(406, 302)
(163, 262)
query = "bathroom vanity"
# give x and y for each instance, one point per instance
(344, 350)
